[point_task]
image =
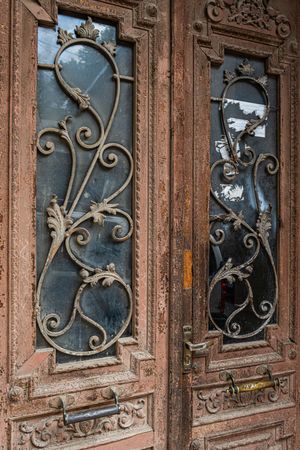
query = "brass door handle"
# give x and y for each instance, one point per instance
(251, 386)
(91, 414)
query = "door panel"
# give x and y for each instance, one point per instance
(83, 350)
(243, 377)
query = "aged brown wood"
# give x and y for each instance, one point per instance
(176, 43)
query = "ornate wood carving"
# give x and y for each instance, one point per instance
(274, 435)
(53, 432)
(219, 400)
(196, 444)
(253, 13)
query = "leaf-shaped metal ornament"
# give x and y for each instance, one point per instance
(111, 47)
(245, 68)
(99, 208)
(87, 30)
(57, 222)
(229, 76)
(63, 36)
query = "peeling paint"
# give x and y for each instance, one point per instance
(240, 125)
(231, 192)
(247, 108)
(221, 147)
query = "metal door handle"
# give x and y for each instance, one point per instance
(251, 386)
(189, 347)
(197, 347)
(90, 414)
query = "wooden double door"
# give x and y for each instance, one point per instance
(149, 225)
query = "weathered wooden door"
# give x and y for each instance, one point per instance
(84, 232)
(235, 226)
(149, 220)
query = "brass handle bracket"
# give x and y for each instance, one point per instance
(189, 348)
(91, 414)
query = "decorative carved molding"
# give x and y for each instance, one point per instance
(221, 401)
(16, 393)
(43, 10)
(252, 13)
(152, 10)
(148, 13)
(195, 444)
(271, 436)
(51, 432)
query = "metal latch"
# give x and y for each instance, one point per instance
(189, 347)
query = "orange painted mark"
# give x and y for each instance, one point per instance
(188, 270)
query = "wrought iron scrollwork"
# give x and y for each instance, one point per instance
(255, 238)
(62, 223)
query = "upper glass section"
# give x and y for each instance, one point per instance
(243, 286)
(84, 188)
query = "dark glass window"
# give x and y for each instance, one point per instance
(243, 287)
(84, 188)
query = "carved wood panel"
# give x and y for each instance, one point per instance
(274, 436)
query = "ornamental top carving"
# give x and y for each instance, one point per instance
(252, 13)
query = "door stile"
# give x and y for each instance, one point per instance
(159, 230)
(181, 277)
(5, 124)
(176, 221)
(297, 219)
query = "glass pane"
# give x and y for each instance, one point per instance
(243, 281)
(84, 188)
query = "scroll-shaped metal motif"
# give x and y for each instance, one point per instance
(66, 223)
(239, 239)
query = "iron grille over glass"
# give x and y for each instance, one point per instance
(243, 288)
(84, 188)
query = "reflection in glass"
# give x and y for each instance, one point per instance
(243, 287)
(84, 188)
